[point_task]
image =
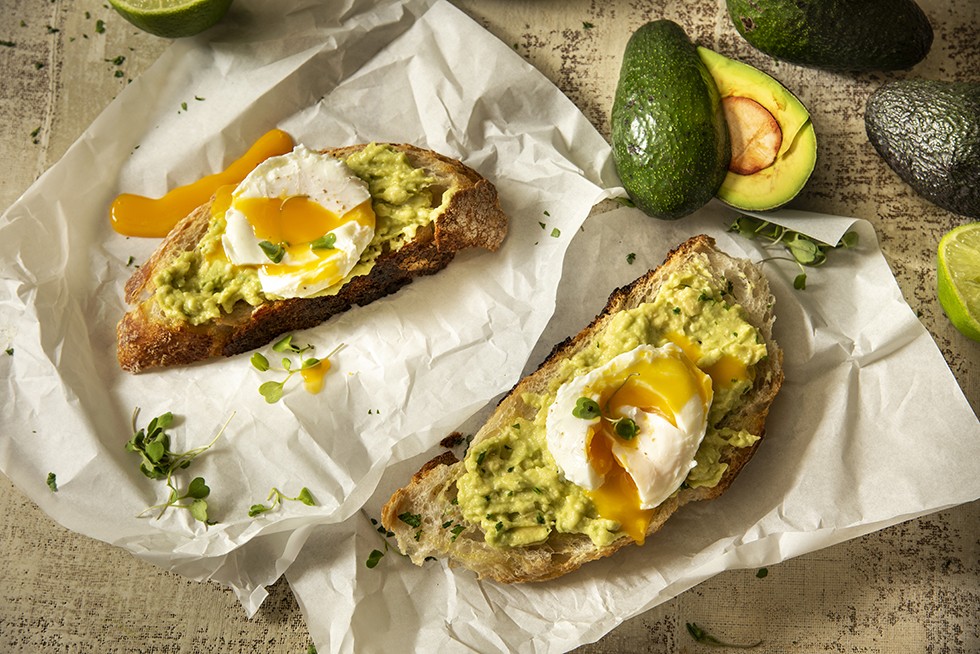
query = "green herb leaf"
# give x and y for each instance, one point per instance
(799, 282)
(586, 408)
(630, 258)
(258, 509)
(411, 519)
(274, 251)
(259, 362)
(325, 242)
(271, 391)
(306, 497)
(53, 482)
(285, 344)
(198, 489)
(374, 558)
(626, 429)
(99, 26)
(199, 509)
(762, 573)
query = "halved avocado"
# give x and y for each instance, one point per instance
(774, 145)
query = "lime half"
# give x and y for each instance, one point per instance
(172, 19)
(959, 278)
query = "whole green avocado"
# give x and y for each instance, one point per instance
(928, 131)
(841, 35)
(670, 141)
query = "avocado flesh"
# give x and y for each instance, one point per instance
(669, 136)
(841, 35)
(780, 182)
(928, 132)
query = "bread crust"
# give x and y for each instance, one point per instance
(146, 338)
(431, 493)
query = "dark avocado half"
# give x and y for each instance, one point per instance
(774, 145)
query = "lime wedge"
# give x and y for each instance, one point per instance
(172, 19)
(959, 278)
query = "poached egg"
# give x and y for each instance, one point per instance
(302, 219)
(627, 431)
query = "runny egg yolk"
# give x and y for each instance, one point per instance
(136, 215)
(663, 386)
(726, 371)
(296, 223)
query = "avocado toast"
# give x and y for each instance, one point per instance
(455, 208)
(509, 511)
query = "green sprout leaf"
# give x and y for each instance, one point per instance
(306, 497)
(586, 408)
(805, 251)
(159, 462)
(198, 489)
(325, 242)
(626, 429)
(275, 251)
(374, 558)
(258, 509)
(411, 519)
(53, 482)
(199, 510)
(271, 391)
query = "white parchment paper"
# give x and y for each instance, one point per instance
(416, 364)
(869, 429)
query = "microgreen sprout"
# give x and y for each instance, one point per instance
(588, 409)
(275, 251)
(374, 558)
(159, 462)
(703, 637)
(276, 496)
(326, 242)
(805, 251)
(273, 391)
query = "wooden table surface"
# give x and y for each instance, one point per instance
(914, 587)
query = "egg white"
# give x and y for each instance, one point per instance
(663, 453)
(321, 179)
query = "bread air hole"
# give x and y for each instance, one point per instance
(755, 135)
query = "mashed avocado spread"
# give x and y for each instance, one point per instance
(201, 284)
(512, 487)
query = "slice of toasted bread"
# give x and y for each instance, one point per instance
(148, 338)
(430, 497)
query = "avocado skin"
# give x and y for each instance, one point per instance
(669, 136)
(839, 35)
(928, 131)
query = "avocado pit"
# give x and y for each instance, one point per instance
(754, 132)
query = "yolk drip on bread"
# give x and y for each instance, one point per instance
(326, 220)
(136, 215)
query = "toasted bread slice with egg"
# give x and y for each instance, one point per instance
(428, 516)
(465, 213)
